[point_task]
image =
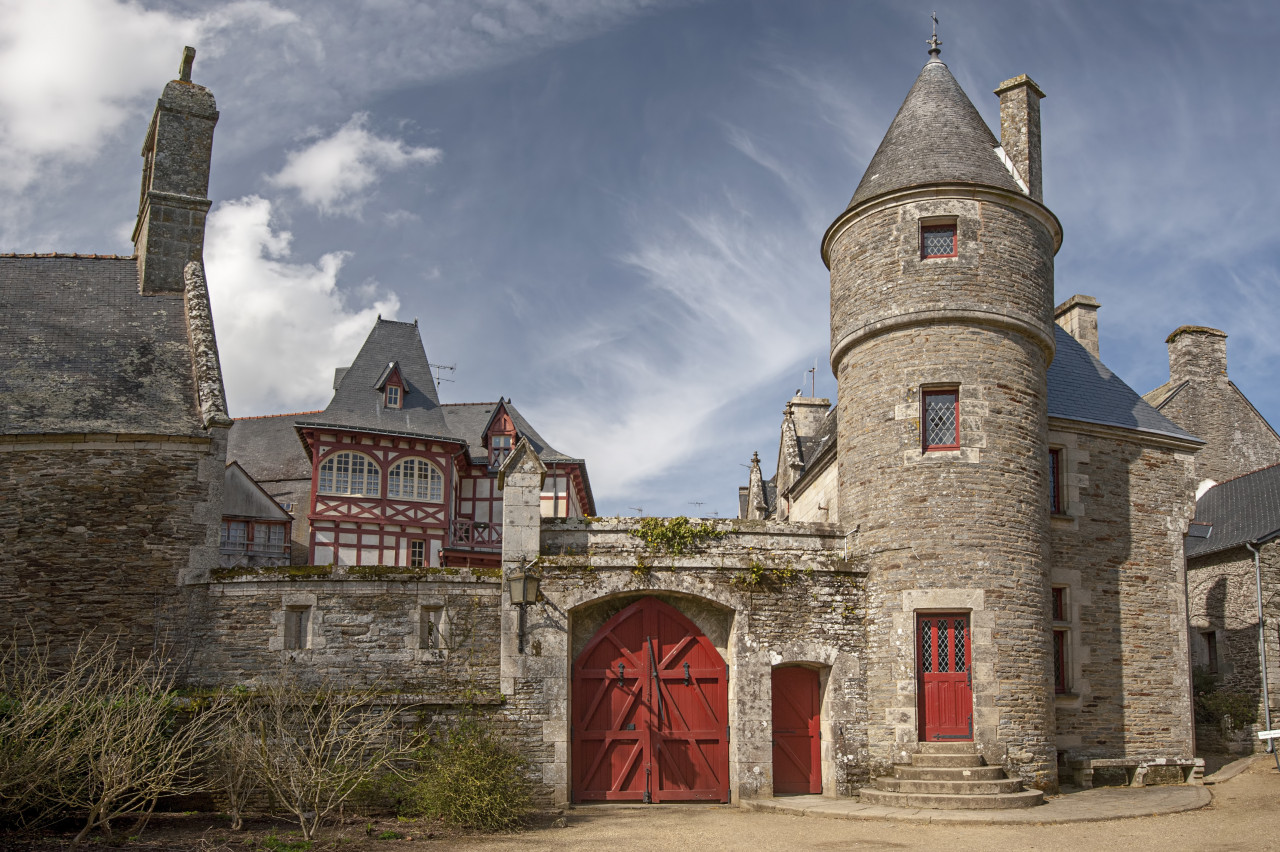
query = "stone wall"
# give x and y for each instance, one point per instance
(1223, 600)
(766, 594)
(364, 629)
(98, 530)
(1117, 550)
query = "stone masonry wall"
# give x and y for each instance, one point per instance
(98, 530)
(1223, 600)
(766, 594)
(364, 629)
(1237, 439)
(1117, 551)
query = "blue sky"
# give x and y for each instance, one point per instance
(610, 210)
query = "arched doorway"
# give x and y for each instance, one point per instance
(650, 711)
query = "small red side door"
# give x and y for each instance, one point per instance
(945, 681)
(797, 737)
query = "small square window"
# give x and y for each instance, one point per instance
(938, 240)
(940, 419)
(297, 628)
(393, 396)
(417, 554)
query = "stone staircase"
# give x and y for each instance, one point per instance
(951, 776)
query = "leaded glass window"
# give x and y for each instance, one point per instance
(944, 651)
(926, 645)
(938, 240)
(960, 640)
(940, 418)
(415, 479)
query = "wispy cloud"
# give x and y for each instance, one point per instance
(334, 173)
(282, 324)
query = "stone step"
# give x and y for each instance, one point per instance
(934, 773)
(951, 788)
(947, 760)
(948, 748)
(941, 801)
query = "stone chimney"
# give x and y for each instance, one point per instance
(175, 183)
(1197, 352)
(1078, 316)
(1020, 130)
(807, 413)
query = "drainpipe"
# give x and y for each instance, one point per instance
(1262, 648)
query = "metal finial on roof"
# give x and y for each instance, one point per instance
(188, 59)
(935, 45)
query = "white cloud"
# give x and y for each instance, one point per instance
(333, 173)
(77, 70)
(283, 325)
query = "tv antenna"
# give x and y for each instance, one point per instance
(813, 378)
(436, 369)
(639, 510)
(697, 503)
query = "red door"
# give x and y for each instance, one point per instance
(650, 711)
(797, 735)
(945, 679)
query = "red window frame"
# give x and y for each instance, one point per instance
(925, 396)
(1059, 603)
(1060, 661)
(939, 228)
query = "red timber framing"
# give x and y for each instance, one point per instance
(378, 530)
(650, 711)
(944, 671)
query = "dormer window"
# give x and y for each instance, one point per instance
(499, 449)
(393, 396)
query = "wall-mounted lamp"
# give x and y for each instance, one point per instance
(523, 588)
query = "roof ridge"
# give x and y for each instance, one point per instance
(1250, 473)
(14, 254)
(455, 404)
(270, 416)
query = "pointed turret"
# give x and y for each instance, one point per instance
(937, 137)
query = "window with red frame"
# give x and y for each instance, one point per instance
(1059, 603)
(938, 240)
(940, 418)
(1060, 661)
(1055, 481)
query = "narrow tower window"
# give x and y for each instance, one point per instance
(938, 240)
(940, 418)
(1055, 481)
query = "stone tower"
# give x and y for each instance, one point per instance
(175, 183)
(941, 335)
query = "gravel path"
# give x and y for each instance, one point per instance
(1244, 815)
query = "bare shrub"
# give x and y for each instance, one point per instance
(312, 747)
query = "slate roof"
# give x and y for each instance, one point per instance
(1244, 509)
(268, 447)
(467, 421)
(358, 404)
(936, 137)
(1082, 388)
(83, 351)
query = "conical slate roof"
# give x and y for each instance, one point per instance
(936, 137)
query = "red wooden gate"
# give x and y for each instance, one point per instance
(650, 711)
(797, 737)
(945, 678)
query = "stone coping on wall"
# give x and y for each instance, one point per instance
(349, 574)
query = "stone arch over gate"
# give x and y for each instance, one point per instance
(649, 703)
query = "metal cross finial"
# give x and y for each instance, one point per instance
(935, 45)
(188, 59)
